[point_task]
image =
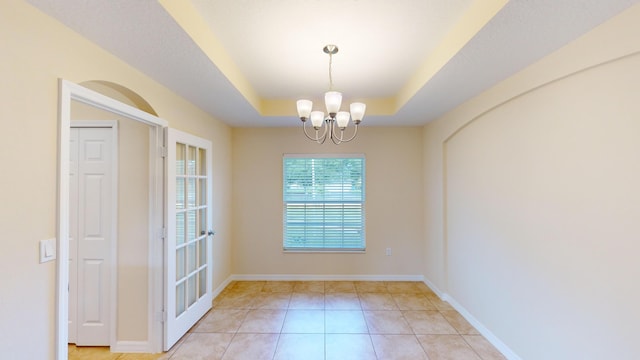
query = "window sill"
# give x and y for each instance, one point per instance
(321, 251)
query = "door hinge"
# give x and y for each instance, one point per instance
(162, 233)
(161, 316)
(162, 151)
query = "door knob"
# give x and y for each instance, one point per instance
(211, 232)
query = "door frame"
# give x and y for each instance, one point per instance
(113, 246)
(69, 91)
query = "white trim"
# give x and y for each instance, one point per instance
(494, 340)
(217, 291)
(95, 99)
(113, 124)
(296, 277)
(62, 227)
(113, 248)
(324, 155)
(131, 347)
(323, 251)
(155, 277)
(69, 91)
(490, 336)
(434, 288)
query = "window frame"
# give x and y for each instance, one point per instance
(362, 245)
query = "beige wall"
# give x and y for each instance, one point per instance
(533, 203)
(541, 205)
(393, 216)
(37, 51)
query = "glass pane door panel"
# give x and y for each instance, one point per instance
(191, 257)
(180, 228)
(202, 252)
(202, 222)
(202, 192)
(202, 162)
(180, 264)
(180, 159)
(191, 192)
(193, 290)
(202, 282)
(191, 167)
(180, 193)
(180, 297)
(191, 225)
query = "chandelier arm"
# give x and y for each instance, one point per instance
(304, 129)
(328, 131)
(323, 137)
(320, 139)
(355, 132)
(334, 135)
(317, 138)
(336, 141)
(324, 134)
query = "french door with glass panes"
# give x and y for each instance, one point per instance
(188, 257)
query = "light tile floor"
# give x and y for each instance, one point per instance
(323, 320)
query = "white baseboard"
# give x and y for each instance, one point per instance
(297, 277)
(222, 286)
(434, 288)
(131, 347)
(490, 336)
(494, 340)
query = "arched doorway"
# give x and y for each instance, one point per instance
(70, 93)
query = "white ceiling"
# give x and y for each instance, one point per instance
(278, 44)
(247, 61)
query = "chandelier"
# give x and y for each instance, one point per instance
(332, 126)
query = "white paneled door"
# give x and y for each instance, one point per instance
(91, 235)
(188, 256)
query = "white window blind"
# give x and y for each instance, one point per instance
(324, 202)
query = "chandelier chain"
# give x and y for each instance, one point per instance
(330, 74)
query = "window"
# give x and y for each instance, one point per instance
(323, 199)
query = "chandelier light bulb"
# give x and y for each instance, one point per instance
(304, 108)
(357, 111)
(342, 119)
(333, 100)
(317, 117)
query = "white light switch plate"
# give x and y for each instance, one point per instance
(47, 250)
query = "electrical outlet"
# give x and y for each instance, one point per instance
(388, 252)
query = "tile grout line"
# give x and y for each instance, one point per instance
(260, 290)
